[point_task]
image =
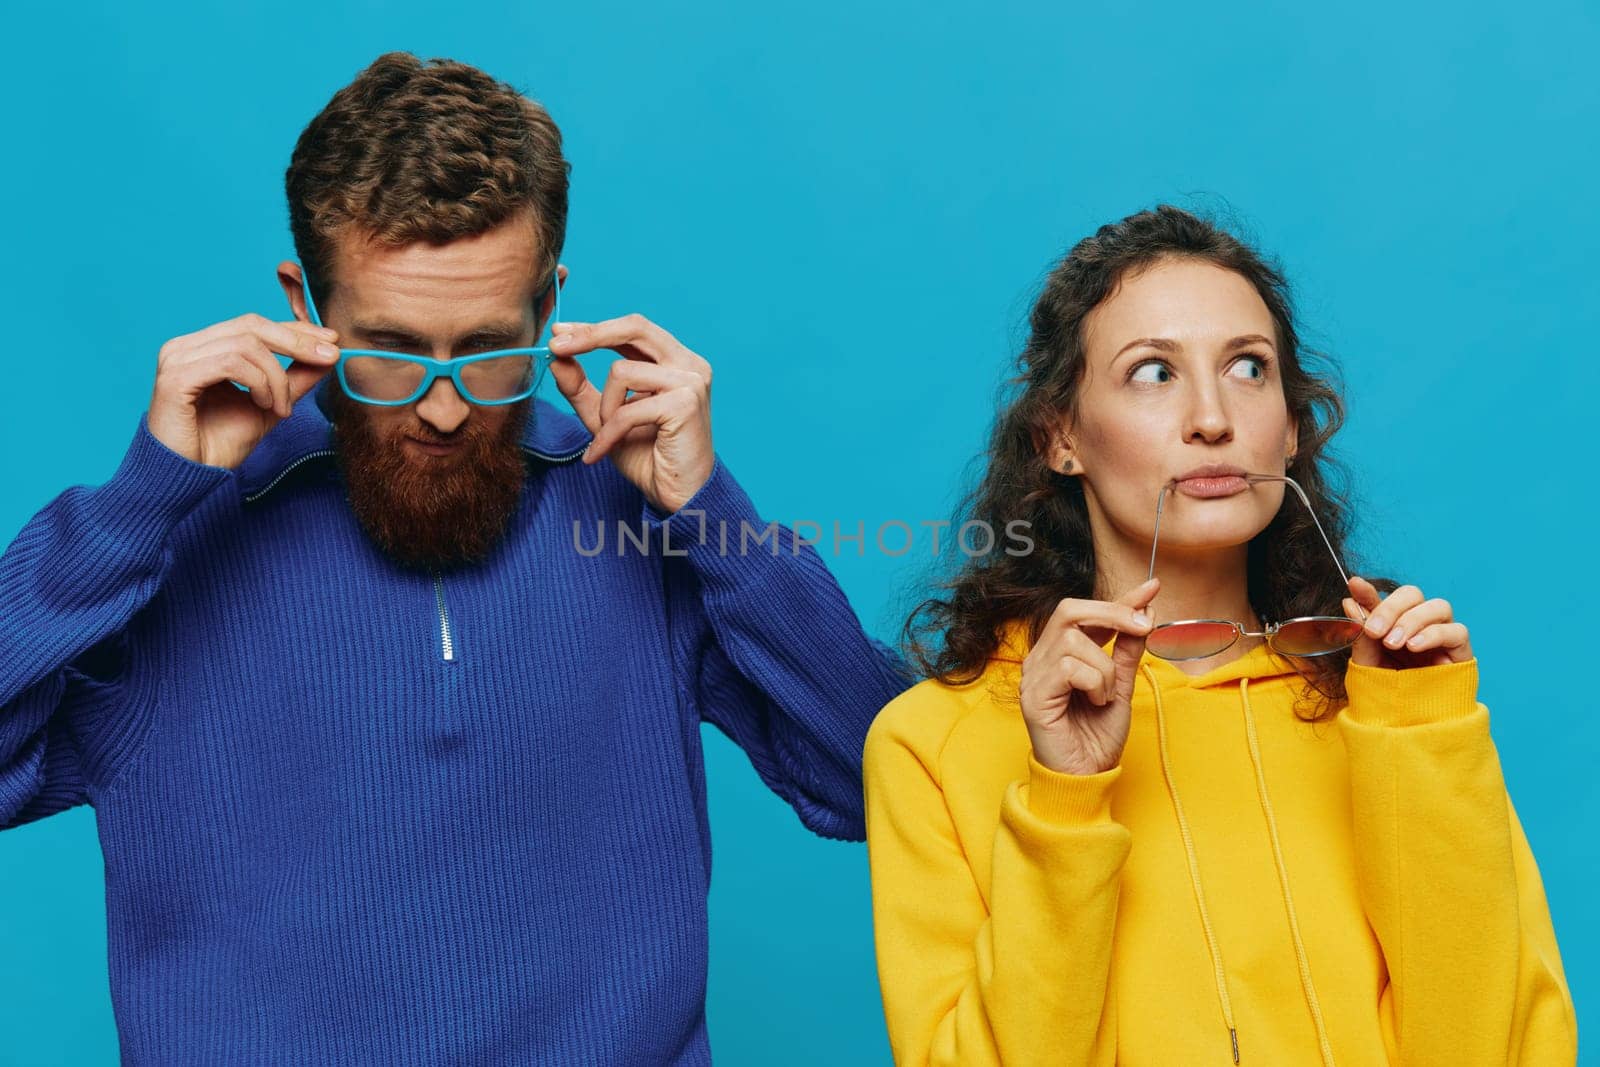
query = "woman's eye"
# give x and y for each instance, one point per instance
(1253, 367)
(1152, 371)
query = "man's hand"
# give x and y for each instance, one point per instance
(199, 413)
(659, 437)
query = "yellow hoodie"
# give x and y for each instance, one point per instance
(1355, 891)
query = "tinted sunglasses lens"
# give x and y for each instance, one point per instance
(1315, 637)
(1190, 640)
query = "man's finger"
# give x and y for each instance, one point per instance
(631, 336)
(574, 383)
(639, 377)
(303, 377)
(647, 412)
(295, 339)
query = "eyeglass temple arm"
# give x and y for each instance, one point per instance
(311, 305)
(1161, 503)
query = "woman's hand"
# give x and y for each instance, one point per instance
(1404, 630)
(1076, 700)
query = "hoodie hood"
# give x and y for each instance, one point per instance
(1257, 664)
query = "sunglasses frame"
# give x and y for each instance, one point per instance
(1272, 628)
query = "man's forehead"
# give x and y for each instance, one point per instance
(490, 274)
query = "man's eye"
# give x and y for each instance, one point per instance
(1151, 371)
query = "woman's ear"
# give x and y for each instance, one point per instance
(1060, 457)
(1291, 442)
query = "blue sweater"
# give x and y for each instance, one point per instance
(353, 814)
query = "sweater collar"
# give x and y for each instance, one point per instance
(551, 436)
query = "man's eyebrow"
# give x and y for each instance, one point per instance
(488, 331)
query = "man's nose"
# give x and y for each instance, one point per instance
(442, 408)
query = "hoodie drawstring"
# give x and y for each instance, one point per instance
(1306, 984)
(1194, 865)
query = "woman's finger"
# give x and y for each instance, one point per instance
(1124, 615)
(1352, 610)
(1365, 596)
(1084, 650)
(1416, 619)
(1382, 618)
(1448, 637)
(1087, 679)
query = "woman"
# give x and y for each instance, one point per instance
(1292, 849)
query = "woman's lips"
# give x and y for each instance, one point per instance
(1218, 485)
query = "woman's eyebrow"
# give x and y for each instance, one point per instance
(1252, 339)
(1160, 343)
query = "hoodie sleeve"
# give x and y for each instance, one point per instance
(70, 583)
(778, 660)
(1012, 968)
(1447, 877)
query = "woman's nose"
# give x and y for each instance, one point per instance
(1208, 416)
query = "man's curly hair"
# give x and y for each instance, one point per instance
(423, 150)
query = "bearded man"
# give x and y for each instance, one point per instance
(387, 766)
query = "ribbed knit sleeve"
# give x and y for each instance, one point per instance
(786, 670)
(1447, 877)
(1014, 972)
(69, 584)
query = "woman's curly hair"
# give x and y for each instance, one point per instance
(952, 636)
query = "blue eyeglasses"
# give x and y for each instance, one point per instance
(395, 379)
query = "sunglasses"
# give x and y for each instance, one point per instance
(1304, 637)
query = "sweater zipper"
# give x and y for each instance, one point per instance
(290, 469)
(447, 637)
(447, 640)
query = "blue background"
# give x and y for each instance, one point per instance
(847, 208)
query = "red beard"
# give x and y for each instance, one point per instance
(426, 513)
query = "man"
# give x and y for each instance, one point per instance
(389, 765)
